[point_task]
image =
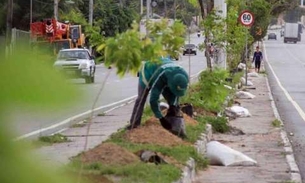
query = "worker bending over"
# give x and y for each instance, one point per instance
(164, 77)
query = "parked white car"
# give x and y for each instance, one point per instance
(76, 63)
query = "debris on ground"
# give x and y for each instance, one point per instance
(153, 133)
(109, 153)
(244, 95)
(220, 154)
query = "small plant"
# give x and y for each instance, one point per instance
(56, 138)
(219, 124)
(276, 123)
(101, 114)
(78, 125)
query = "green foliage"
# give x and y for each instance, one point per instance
(172, 38)
(126, 51)
(140, 172)
(276, 123)
(262, 13)
(56, 138)
(219, 124)
(194, 131)
(32, 80)
(29, 81)
(210, 92)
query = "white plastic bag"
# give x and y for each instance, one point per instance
(240, 111)
(241, 66)
(244, 95)
(253, 74)
(220, 154)
(243, 81)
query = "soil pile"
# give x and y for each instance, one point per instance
(109, 153)
(203, 112)
(153, 133)
(187, 120)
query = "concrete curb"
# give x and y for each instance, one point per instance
(294, 169)
(189, 171)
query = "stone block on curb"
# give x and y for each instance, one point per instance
(188, 174)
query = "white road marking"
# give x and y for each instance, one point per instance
(288, 96)
(36, 132)
(74, 118)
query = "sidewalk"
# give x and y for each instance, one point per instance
(262, 141)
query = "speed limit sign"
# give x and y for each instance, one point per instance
(246, 18)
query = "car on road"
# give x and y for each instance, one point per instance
(272, 35)
(190, 49)
(76, 63)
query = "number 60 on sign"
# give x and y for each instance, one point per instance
(246, 18)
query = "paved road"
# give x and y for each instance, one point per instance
(288, 64)
(28, 121)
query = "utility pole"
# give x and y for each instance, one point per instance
(56, 9)
(91, 12)
(165, 8)
(9, 22)
(31, 11)
(141, 7)
(174, 9)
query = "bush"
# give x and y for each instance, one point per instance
(210, 92)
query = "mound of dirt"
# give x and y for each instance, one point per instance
(153, 133)
(109, 153)
(187, 120)
(203, 112)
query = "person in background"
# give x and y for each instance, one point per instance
(257, 59)
(164, 77)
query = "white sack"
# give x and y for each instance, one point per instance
(240, 111)
(241, 66)
(228, 87)
(253, 74)
(220, 154)
(244, 95)
(243, 81)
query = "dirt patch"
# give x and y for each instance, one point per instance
(109, 153)
(153, 133)
(187, 119)
(203, 112)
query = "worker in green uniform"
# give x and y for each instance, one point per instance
(164, 77)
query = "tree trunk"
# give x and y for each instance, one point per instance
(204, 12)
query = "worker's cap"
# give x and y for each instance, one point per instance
(178, 84)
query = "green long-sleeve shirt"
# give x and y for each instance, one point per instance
(157, 76)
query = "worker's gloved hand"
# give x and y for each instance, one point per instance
(165, 123)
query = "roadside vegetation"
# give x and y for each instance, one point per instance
(111, 31)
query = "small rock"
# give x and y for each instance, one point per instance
(291, 134)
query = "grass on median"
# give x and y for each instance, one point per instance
(276, 123)
(56, 138)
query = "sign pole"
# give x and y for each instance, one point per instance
(246, 57)
(246, 18)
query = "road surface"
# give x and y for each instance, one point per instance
(286, 73)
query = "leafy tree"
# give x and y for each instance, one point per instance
(126, 51)
(262, 13)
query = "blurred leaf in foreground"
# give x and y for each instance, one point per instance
(27, 78)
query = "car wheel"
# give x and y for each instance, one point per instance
(195, 53)
(183, 53)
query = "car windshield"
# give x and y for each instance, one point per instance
(189, 46)
(78, 54)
